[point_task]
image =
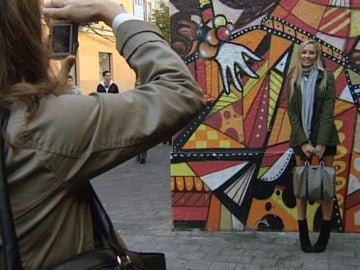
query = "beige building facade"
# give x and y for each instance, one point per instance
(97, 53)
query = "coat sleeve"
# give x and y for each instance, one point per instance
(327, 111)
(297, 131)
(81, 137)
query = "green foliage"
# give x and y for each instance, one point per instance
(162, 19)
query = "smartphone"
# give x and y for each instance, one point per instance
(63, 39)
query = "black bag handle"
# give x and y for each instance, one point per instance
(106, 228)
(306, 171)
(11, 251)
(12, 257)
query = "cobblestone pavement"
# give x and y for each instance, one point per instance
(137, 197)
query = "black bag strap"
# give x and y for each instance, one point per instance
(322, 168)
(12, 257)
(106, 228)
(306, 171)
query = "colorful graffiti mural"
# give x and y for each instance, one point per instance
(231, 167)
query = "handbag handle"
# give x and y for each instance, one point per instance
(12, 257)
(106, 228)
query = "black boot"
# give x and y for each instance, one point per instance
(324, 236)
(304, 236)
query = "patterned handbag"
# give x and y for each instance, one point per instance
(314, 182)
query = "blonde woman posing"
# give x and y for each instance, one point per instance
(311, 102)
(54, 144)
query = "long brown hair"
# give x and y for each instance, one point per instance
(297, 71)
(24, 59)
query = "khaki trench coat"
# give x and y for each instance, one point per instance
(71, 139)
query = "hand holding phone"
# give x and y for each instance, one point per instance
(63, 39)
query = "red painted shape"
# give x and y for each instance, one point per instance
(257, 117)
(289, 5)
(201, 74)
(273, 153)
(198, 199)
(189, 213)
(207, 15)
(353, 199)
(205, 167)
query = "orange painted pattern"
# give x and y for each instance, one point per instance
(207, 137)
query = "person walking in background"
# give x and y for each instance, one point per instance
(107, 85)
(167, 141)
(141, 157)
(74, 90)
(311, 103)
(54, 144)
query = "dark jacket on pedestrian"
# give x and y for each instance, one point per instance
(111, 88)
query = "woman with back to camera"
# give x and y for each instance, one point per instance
(48, 173)
(311, 103)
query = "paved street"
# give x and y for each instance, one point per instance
(137, 197)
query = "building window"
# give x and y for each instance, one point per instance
(104, 63)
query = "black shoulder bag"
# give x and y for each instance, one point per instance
(114, 258)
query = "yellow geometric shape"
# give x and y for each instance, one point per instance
(198, 145)
(224, 144)
(257, 212)
(356, 147)
(212, 135)
(338, 71)
(355, 25)
(225, 219)
(253, 82)
(333, 22)
(288, 215)
(249, 98)
(311, 209)
(181, 169)
(262, 171)
(224, 101)
(207, 137)
(354, 77)
(276, 81)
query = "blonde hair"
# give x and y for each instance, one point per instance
(298, 69)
